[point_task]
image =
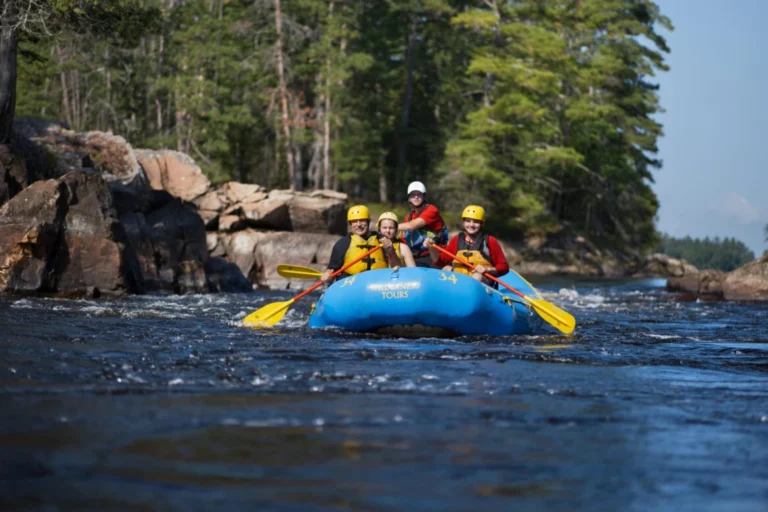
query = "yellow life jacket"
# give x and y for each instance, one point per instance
(396, 246)
(476, 254)
(359, 246)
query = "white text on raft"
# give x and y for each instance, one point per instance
(394, 290)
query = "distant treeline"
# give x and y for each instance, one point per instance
(720, 254)
(541, 111)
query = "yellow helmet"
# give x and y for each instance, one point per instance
(474, 212)
(358, 212)
(386, 216)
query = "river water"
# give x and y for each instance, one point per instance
(166, 403)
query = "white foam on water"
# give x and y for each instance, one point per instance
(23, 304)
(154, 313)
(594, 298)
(664, 336)
(266, 423)
(293, 319)
(98, 311)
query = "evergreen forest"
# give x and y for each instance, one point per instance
(543, 111)
(720, 254)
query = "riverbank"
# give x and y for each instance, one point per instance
(86, 214)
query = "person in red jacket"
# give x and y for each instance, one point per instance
(480, 249)
(422, 223)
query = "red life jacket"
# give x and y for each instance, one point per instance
(415, 237)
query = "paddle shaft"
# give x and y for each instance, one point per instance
(486, 274)
(342, 269)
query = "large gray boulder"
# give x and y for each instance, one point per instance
(704, 284)
(108, 154)
(257, 254)
(174, 172)
(30, 225)
(62, 236)
(749, 282)
(91, 254)
(662, 265)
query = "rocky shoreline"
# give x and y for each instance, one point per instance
(85, 214)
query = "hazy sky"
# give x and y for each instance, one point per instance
(714, 181)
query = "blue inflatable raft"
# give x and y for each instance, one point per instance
(425, 302)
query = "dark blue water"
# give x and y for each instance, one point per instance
(166, 403)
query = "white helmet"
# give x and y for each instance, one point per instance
(418, 187)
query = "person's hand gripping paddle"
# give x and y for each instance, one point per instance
(270, 314)
(553, 315)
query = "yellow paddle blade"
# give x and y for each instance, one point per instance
(268, 315)
(553, 315)
(297, 272)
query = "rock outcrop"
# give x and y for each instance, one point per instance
(86, 214)
(749, 282)
(706, 284)
(258, 253)
(661, 265)
(569, 254)
(62, 235)
(174, 172)
(96, 226)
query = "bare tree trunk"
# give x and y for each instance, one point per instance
(218, 45)
(327, 116)
(284, 99)
(76, 109)
(182, 138)
(490, 77)
(340, 83)
(108, 80)
(182, 141)
(383, 186)
(315, 171)
(159, 115)
(8, 44)
(383, 189)
(327, 142)
(64, 92)
(402, 142)
(335, 170)
(159, 75)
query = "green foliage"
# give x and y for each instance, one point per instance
(540, 111)
(766, 239)
(726, 254)
(564, 130)
(34, 75)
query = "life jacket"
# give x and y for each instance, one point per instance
(359, 246)
(476, 254)
(415, 237)
(396, 245)
(398, 253)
